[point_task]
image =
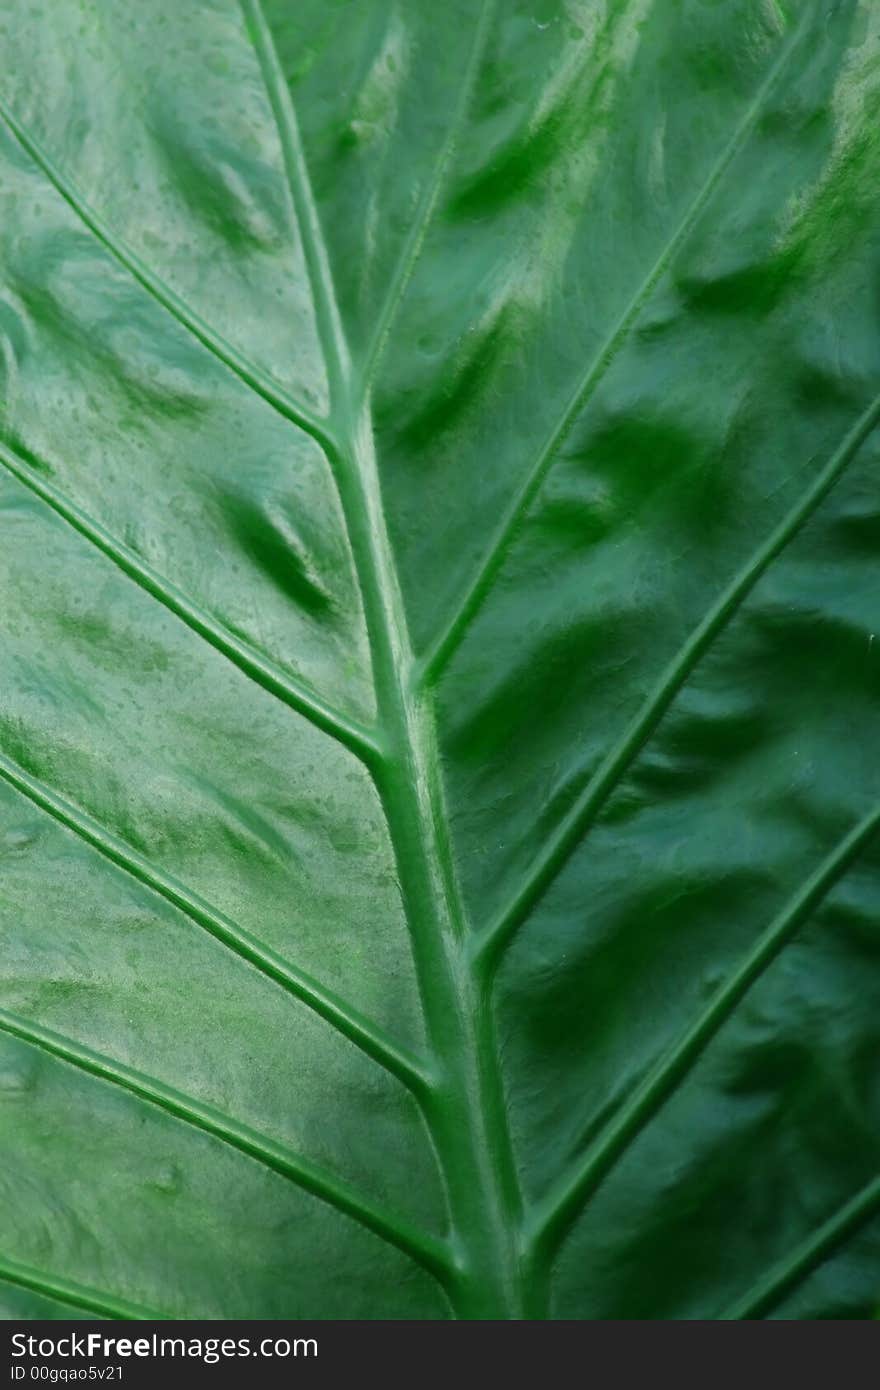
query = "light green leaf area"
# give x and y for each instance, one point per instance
(440, 654)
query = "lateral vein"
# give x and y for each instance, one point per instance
(551, 1218)
(424, 215)
(801, 1261)
(491, 943)
(51, 1286)
(248, 372)
(446, 643)
(328, 1006)
(393, 1229)
(295, 694)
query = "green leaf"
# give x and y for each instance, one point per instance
(439, 741)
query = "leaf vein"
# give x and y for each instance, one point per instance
(253, 664)
(314, 249)
(491, 943)
(25, 1277)
(801, 1261)
(427, 205)
(393, 1229)
(248, 372)
(443, 647)
(552, 1217)
(407, 780)
(340, 1016)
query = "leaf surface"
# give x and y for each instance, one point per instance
(438, 750)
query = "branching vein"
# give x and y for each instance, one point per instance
(76, 1295)
(321, 1001)
(298, 696)
(492, 1240)
(553, 1216)
(583, 813)
(314, 251)
(252, 375)
(422, 221)
(483, 581)
(393, 1229)
(469, 1128)
(800, 1262)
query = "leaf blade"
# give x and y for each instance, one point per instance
(346, 300)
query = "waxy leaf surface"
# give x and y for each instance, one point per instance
(439, 731)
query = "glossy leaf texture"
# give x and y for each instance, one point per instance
(440, 664)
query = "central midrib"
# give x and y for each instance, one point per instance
(464, 1110)
(464, 1107)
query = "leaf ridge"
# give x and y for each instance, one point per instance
(391, 1228)
(427, 204)
(314, 250)
(553, 1217)
(469, 1122)
(351, 733)
(248, 372)
(327, 1005)
(480, 586)
(407, 784)
(801, 1261)
(492, 941)
(77, 1296)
